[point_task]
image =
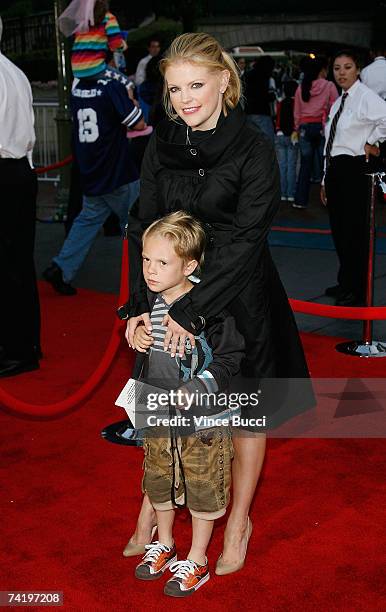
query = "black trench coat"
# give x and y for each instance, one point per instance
(230, 182)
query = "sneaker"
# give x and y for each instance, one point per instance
(284, 198)
(54, 275)
(291, 199)
(188, 577)
(298, 205)
(155, 561)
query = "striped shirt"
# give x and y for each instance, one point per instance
(193, 364)
(90, 48)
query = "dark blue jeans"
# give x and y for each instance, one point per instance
(287, 155)
(311, 141)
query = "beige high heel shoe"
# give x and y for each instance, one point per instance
(228, 568)
(132, 550)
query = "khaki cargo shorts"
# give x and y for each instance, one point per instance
(206, 458)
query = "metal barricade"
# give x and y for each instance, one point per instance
(46, 150)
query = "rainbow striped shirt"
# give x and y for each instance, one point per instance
(90, 48)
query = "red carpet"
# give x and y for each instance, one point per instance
(70, 499)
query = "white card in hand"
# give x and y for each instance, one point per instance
(134, 398)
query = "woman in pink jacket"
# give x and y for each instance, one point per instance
(313, 100)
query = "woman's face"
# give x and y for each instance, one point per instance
(196, 93)
(346, 71)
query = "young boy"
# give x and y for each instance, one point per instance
(195, 468)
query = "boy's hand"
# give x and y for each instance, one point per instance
(132, 324)
(142, 339)
(175, 337)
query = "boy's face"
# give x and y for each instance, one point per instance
(162, 268)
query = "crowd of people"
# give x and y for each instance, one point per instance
(222, 156)
(292, 106)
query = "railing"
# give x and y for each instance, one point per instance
(24, 34)
(46, 150)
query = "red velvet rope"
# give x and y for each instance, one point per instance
(370, 313)
(58, 164)
(310, 230)
(70, 402)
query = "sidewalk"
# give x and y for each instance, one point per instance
(305, 272)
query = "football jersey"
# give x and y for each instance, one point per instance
(102, 112)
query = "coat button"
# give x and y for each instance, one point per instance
(193, 151)
(201, 172)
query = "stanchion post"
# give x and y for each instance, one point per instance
(367, 347)
(63, 117)
(368, 324)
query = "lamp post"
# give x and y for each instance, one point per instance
(63, 117)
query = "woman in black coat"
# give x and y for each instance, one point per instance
(206, 159)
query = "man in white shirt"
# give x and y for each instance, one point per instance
(19, 309)
(374, 75)
(154, 48)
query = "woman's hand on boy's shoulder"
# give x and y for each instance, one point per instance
(175, 337)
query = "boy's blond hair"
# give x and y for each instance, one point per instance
(185, 233)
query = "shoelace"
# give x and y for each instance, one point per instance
(154, 550)
(182, 569)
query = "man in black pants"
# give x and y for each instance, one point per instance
(19, 309)
(348, 212)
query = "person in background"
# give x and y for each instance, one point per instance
(242, 64)
(150, 88)
(374, 75)
(313, 100)
(20, 312)
(154, 48)
(286, 142)
(102, 113)
(96, 31)
(356, 125)
(260, 94)
(277, 75)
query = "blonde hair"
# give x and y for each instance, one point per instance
(201, 48)
(185, 233)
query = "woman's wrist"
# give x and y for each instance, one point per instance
(184, 315)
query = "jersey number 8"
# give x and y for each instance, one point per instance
(88, 125)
